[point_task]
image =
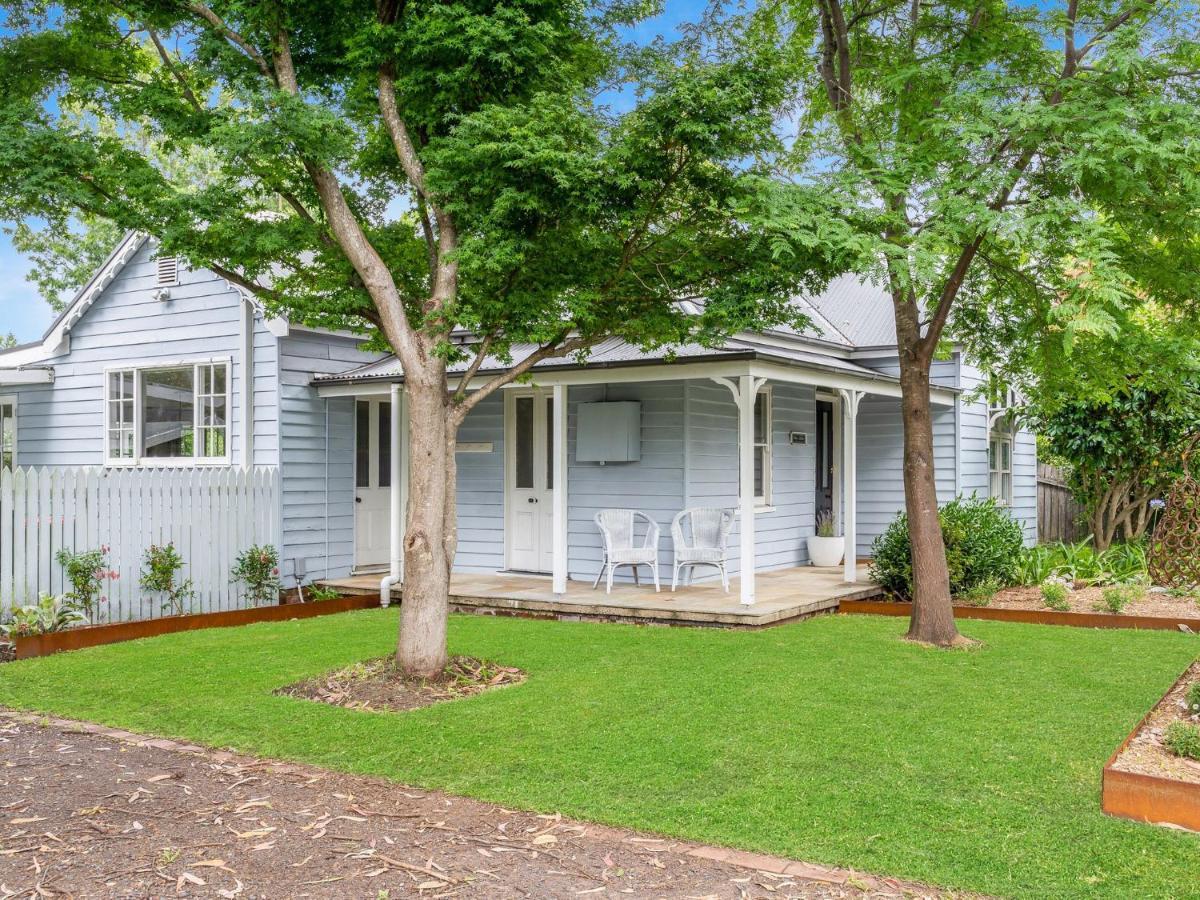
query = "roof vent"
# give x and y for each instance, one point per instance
(167, 272)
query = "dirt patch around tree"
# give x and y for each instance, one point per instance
(1087, 600)
(1145, 753)
(377, 684)
(89, 812)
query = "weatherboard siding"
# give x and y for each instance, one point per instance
(62, 424)
(317, 439)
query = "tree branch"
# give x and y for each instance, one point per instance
(233, 37)
(556, 347)
(170, 66)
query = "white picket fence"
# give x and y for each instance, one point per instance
(210, 515)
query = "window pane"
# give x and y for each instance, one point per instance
(761, 412)
(759, 466)
(1005, 456)
(168, 412)
(524, 447)
(550, 444)
(8, 436)
(385, 444)
(120, 415)
(362, 444)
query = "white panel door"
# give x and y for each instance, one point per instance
(372, 482)
(529, 481)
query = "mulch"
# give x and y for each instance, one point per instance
(1086, 600)
(87, 811)
(1145, 753)
(379, 684)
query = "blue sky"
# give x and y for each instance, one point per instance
(26, 315)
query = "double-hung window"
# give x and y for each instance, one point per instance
(8, 433)
(762, 447)
(168, 414)
(1000, 468)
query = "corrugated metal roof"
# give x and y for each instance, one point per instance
(859, 310)
(616, 353)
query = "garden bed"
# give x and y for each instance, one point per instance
(95, 635)
(1036, 614)
(1143, 780)
(377, 684)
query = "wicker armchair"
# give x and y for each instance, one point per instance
(700, 535)
(617, 527)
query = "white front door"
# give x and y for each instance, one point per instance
(529, 480)
(372, 482)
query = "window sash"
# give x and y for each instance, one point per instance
(1000, 484)
(8, 434)
(206, 437)
(762, 446)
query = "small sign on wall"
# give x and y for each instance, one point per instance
(797, 437)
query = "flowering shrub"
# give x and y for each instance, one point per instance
(160, 573)
(48, 614)
(1054, 593)
(258, 569)
(87, 573)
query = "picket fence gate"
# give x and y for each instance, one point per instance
(210, 514)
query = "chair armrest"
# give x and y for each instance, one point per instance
(677, 536)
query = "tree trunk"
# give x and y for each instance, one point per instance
(429, 536)
(932, 613)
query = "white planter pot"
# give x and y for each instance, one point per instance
(826, 551)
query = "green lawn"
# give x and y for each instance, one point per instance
(828, 740)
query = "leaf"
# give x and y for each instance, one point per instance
(544, 839)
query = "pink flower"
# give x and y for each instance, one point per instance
(275, 571)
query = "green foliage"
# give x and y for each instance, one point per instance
(981, 594)
(826, 526)
(1183, 739)
(1114, 599)
(316, 591)
(87, 573)
(1054, 595)
(983, 544)
(569, 217)
(1193, 698)
(258, 569)
(1119, 564)
(161, 567)
(47, 615)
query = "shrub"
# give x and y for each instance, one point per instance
(981, 594)
(1080, 561)
(1116, 598)
(47, 615)
(87, 572)
(1054, 595)
(258, 569)
(321, 592)
(1183, 739)
(982, 543)
(1193, 698)
(160, 573)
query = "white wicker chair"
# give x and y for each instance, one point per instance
(700, 535)
(617, 528)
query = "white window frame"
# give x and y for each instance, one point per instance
(138, 417)
(997, 471)
(763, 500)
(10, 400)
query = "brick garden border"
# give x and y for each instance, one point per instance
(1149, 798)
(95, 635)
(1026, 616)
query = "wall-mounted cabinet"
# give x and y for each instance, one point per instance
(609, 432)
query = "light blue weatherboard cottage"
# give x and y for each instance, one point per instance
(154, 364)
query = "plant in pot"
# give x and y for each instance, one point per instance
(826, 547)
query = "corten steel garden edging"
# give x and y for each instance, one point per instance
(1149, 798)
(95, 635)
(1027, 616)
